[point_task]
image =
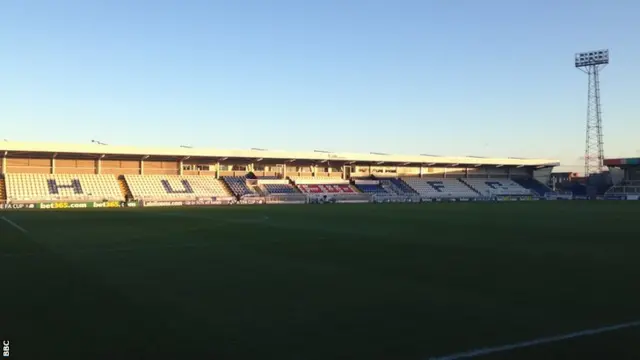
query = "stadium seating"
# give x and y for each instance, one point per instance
(274, 189)
(345, 189)
(160, 187)
(238, 185)
(440, 188)
(398, 186)
(372, 189)
(489, 187)
(68, 187)
(534, 185)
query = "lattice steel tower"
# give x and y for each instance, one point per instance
(591, 63)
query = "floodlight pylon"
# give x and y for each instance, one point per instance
(591, 63)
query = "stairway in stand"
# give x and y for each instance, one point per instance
(389, 187)
(227, 187)
(470, 187)
(3, 192)
(126, 192)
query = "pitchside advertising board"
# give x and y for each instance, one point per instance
(70, 205)
(250, 201)
(186, 203)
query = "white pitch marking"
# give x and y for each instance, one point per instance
(14, 225)
(110, 250)
(545, 340)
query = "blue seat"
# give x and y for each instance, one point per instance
(371, 189)
(280, 189)
(238, 185)
(533, 184)
(402, 186)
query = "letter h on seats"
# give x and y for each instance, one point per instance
(54, 187)
(187, 189)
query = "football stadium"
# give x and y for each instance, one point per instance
(111, 252)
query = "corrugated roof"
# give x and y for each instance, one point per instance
(51, 148)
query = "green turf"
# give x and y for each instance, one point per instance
(387, 281)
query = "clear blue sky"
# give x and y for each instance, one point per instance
(451, 77)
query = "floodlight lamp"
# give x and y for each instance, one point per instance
(592, 58)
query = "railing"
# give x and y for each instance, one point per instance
(356, 197)
(624, 189)
(558, 195)
(630, 183)
(442, 195)
(251, 195)
(395, 198)
(286, 198)
(511, 192)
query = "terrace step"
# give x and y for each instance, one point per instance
(3, 192)
(124, 187)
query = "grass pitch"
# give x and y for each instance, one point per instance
(386, 281)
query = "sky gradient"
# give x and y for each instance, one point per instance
(449, 77)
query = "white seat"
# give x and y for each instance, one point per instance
(345, 189)
(489, 187)
(175, 186)
(440, 188)
(74, 187)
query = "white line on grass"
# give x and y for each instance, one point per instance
(14, 225)
(109, 250)
(539, 341)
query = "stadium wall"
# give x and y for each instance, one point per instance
(28, 165)
(119, 167)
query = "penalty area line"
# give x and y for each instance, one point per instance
(23, 230)
(545, 340)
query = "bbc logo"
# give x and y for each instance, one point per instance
(5, 348)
